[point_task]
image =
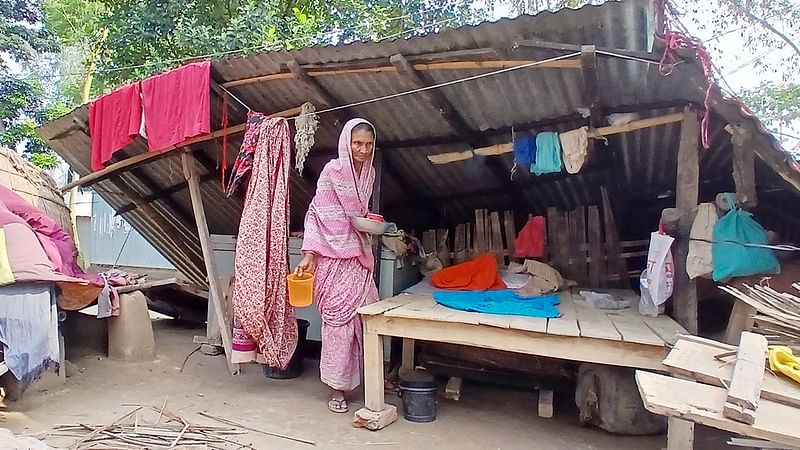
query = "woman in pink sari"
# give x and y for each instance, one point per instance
(341, 258)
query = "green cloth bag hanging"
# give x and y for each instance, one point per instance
(731, 258)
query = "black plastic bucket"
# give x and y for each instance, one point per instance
(419, 400)
(295, 367)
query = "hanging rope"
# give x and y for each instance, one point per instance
(677, 37)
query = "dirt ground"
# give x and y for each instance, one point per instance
(486, 417)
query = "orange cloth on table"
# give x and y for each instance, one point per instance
(480, 274)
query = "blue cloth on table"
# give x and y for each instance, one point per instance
(500, 302)
(548, 154)
(525, 150)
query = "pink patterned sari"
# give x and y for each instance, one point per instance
(260, 299)
(343, 279)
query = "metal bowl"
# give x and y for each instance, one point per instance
(368, 226)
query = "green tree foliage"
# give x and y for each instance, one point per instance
(145, 36)
(23, 40)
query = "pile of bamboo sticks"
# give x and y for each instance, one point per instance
(777, 313)
(132, 432)
(166, 431)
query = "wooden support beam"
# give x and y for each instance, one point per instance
(144, 158)
(472, 59)
(167, 229)
(437, 99)
(686, 193)
(563, 47)
(500, 149)
(744, 169)
(591, 90)
(215, 290)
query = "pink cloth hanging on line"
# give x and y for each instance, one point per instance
(260, 297)
(114, 121)
(176, 105)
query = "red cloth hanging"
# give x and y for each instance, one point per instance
(531, 241)
(114, 121)
(176, 105)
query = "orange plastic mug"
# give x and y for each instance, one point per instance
(301, 289)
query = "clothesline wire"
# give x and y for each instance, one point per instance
(440, 85)
(267, 47)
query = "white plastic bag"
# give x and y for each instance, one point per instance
(660, 267)
(646, 305)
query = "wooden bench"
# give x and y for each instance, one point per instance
(581, 334)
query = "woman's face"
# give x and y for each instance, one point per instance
(362, 144)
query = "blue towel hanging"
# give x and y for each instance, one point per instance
(548, 154)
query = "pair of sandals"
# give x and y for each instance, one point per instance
(340, 406)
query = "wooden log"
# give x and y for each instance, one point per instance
(597, 259)
(686, 193)
(545, 409)
(744, 169)
(497, 238)
(741, 319)
(748, 375)
(511, 233)
(453, 389)
(215, 291)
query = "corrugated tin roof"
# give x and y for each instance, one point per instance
(641, 164)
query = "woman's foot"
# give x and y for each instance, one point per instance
(337, 403)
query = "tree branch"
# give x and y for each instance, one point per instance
(766, 25)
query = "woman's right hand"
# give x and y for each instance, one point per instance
(307, 264)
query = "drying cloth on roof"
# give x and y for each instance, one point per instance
(114, 121)
(548, 154)
(479, 274)
(782, 360)
(176, 105)
(500, 302)
(28, 329)
(530, 243)
(525, 150)
(575, 145)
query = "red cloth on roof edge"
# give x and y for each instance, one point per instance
(176, 105)
(114, 121)
(531, 241)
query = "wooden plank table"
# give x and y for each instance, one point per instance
(582, 334)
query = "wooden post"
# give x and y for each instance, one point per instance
(744, 172)
(373, 371)
(377, 207)
(686, 196)
(215, 290)
(680, 434)
(741, 319)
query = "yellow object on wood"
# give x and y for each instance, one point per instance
(782, 360)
